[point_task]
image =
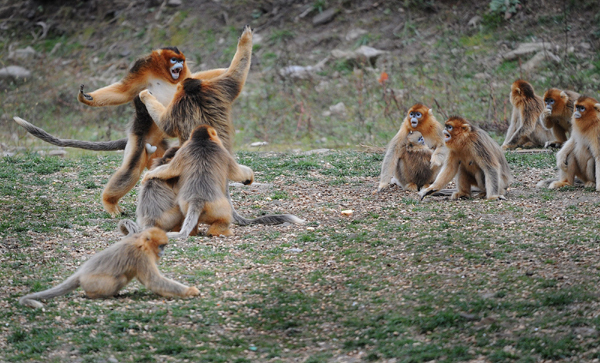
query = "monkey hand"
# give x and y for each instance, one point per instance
(147, 177)
(589, 184)
(192, 291)
(248, 181)
(382, 186)
(145, 95)
(246, 35)
(425, 192)
(84, 97)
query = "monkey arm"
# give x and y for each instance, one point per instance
(512, 128)
(162, 172)
(546, 119)
(439, 155)
(445, 176)
(563, 154)
(112, 95)
(240, 173)
(151, 278)
(158, 112)
(212, 73)
(233, 80)
(390, 160)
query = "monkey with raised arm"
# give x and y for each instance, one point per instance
(108, 271)
(557, 114)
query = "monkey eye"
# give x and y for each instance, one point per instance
(580, 108)
(549, 101)
(421, 140)
(418, 114)
(173, 60)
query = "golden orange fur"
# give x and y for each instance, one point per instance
(419, 118)
(414, 170)
(525, 129)
(108, 271)
(475, 159)
(557, 114)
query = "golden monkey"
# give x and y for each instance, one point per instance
(525, 129)
(108, 271)
(203, 166)
(584, 142)
(207, 101)
(573, 160)
(557, 114)
(421, 119)
(413, 168)
(145, 140)
(475, 159)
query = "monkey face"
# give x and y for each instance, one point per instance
(416, 114)
(161, 250)
(549, 103)
(175, 61)
(455, 129)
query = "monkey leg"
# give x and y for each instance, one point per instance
(412, 187)
(218, 215)
(464, 181)
(151, 278)
(119, 184)
(102, 285)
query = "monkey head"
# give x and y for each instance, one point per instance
(520, 91)
(415, 139)
(205, 133)
(456, 129)
(556, 100)
(153, 241)
(175, 62)
(586, 113)
(417, 113)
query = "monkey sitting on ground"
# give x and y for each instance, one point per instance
(557, 114)
(525, 129)
(413, 168)
(421, 119)
(475, 159)
(573, 160)
(586, 140)
(203, 166)
(108, 271)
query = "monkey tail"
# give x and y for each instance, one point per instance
(128, 227)
(67, 286)
(87, 145)
(267, 220)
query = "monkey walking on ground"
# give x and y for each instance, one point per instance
(421, 119)
(525, 129)
(557, 114)
(202, 166)
(475, 159)
(108, 271)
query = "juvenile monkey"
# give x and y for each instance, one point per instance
(413, 168)
(421, 119)
(475, 159)
(525, 129)
(203, 166)
(573, 160)
(108, 271)
(557, 114)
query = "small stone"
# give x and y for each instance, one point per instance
(325, 17)
(338, 109)
(347, 212)
(259, 144)
(59, 153)
(14, 72)
(355, 33)
(174, 3)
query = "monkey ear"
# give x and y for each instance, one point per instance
(212, 133)
(563, 95)
(430, 111)
(518, 90)
(466, 127)
(597, 107)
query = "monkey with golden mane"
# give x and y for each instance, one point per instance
(160, 72)
(557, 114)
(203, 166)
(525, 129)
(580, 156)
(108, 271)
(421, 119)
(475, 159)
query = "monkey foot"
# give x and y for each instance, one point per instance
(192, 291)
(590, 184)
(411, 187)
(553, 144)
(460, 195)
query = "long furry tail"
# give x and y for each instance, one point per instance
(128, 227)
(66, 287)
(87, 145)
(267, 220)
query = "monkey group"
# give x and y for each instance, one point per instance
(187, 185)
(477, 163)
